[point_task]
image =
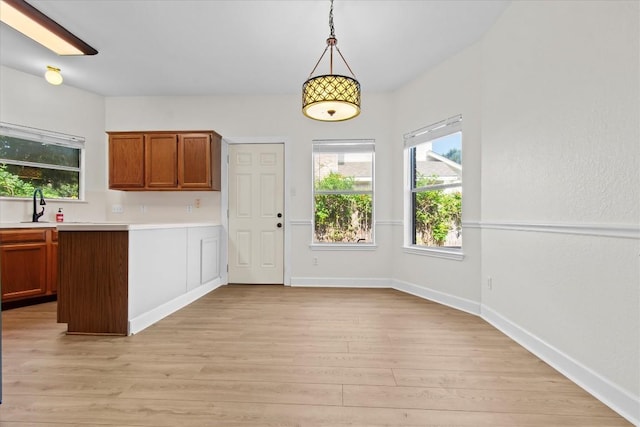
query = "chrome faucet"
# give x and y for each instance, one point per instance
(37, 215)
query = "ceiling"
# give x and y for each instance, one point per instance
(205, 47)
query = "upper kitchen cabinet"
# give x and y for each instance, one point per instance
(200, 165)
(175, 161)
(126, 161)
(161, 161)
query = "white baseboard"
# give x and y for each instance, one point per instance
(147, 319)
(449, 300)
(340, 282)
(621, 401)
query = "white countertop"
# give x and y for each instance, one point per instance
(104, 226)
(4, 225)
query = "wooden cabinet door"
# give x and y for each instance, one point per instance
(194, 165)
(24, 270)
(161, 155)
(126, 161)
(52, 263)
(216, 166)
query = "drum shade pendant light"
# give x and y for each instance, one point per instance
(331, 97)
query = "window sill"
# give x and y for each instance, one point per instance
(343, 247)
(454, 254)
(29, 199)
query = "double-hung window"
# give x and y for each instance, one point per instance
(343, 191)
(33, 158)
(433, 202)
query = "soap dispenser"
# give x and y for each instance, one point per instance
(59, 215)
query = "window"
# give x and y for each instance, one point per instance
(33, 158)
(343, 191)
(434, 185)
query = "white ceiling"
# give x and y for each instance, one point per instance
(206, 47)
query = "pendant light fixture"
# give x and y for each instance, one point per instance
(331, 97)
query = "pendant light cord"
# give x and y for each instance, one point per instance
(332, 42)
(332, 30)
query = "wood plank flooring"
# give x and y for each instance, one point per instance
(280, 356)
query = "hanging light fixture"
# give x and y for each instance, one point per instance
(53, 75)
(331, 97)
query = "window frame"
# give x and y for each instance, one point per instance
(341, 146)
(47, 137)
(412, 140)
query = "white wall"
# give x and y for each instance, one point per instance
(30, 101)
(560, 147)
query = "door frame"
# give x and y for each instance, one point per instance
(224, 202)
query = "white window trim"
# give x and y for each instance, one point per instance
(412, 139)
(40, 135)
(317, 147)
(52, 138)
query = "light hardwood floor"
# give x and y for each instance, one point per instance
(280, 356)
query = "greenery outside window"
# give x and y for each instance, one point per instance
(343, 191)
(34, 158)
(434, 186)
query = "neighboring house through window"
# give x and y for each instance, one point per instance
(33, 158)
(433, 159)
(343, 191)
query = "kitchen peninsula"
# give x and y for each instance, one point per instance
(117, 278)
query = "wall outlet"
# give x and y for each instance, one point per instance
(197, 203)
(189, 208)
(143, 209)
(489, 283)
(315, 261)
(117, 209)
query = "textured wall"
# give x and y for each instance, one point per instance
(560, 147)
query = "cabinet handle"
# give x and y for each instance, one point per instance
(279, 225)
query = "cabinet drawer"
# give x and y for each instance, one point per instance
(21, 236)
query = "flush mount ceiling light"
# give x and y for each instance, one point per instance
(331, 97)
(34, 24)
(53, 75)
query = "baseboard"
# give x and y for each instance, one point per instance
(340, 282)
(443, 298)
(147, 319)
(621, 401)
(406, 287)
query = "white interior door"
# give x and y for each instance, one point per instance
(256, 213)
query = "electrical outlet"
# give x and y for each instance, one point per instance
(197, 203)
(315, 261)
(189, 208)
(489, 283)
(117, 209)
(143, 209)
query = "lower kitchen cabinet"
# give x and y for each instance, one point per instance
(28, 263)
